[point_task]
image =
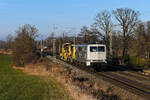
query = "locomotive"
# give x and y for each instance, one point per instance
(84, 54)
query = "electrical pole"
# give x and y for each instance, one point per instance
(73, 30)
(75, 38)
(41, 44)
(59, 46)
(54, 40)
(110, 41)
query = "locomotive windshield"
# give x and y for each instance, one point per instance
(97, 49)
(93, 49)
(101, 49)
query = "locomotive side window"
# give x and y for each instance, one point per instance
(93, 49)
(101, 49)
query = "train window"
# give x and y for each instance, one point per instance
(93, 49)
(101, 49)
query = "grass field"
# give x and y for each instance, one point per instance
(16, 85)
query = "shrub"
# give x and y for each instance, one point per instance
(139, 62)
(24, 45)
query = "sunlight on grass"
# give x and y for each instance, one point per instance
(16, 85)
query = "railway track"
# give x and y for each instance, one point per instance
(123, 82)
(128, 84)
(129, 71)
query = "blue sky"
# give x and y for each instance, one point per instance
(65, 14)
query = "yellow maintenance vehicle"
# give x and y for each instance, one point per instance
(68, 52)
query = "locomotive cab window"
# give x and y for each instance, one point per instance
(97, 49)
(101, 49)
(93, 49)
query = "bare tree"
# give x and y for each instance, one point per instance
(84, 34)
(88, 35)
(140, 40)
(9, 39)
(24, 45)
(127, 19)
(104, 24)
(2, 44)
(148, 39)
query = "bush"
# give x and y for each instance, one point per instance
(131, 61)
(24, 45)
(139, 62)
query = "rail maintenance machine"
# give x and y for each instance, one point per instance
(68, 52)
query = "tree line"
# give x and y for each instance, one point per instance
(121, 30)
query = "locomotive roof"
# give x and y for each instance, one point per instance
(81, 45)
(85, 45)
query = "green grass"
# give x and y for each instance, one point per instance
(16, 85)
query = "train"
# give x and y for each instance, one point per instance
(87, 54)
